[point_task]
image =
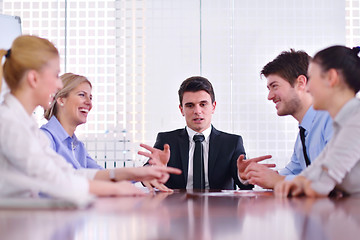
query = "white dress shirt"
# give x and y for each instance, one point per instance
(27, 163)
(338, 165)
(205, 145)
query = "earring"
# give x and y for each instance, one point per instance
(61, 104)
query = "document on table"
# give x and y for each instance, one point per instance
(240, 193)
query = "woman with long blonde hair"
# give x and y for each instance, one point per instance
(69, 109)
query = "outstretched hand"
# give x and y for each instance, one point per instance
(149, 173)
(156, 156)
(159, 158)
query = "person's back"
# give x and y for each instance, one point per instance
(23, 171)
(347, 142)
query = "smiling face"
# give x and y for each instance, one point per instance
(75, 107)
(197, 109)
(49, 82)
(285, 97)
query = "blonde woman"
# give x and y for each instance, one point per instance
(28, 165)
(68, 110)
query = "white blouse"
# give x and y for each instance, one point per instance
(27, 163)
(338, 165)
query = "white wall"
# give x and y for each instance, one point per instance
(237, 39)
(137, 53)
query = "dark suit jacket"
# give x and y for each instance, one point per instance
(224, 149)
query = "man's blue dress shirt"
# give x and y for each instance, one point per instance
(70, 148)
(318, 126)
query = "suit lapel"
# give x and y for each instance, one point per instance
(184, 152)
(213, 151)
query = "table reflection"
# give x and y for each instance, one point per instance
(39, 224)
(189, 215)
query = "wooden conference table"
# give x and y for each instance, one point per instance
(190, 215)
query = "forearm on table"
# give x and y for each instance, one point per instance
(101, 188)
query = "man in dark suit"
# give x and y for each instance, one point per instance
(220, 150)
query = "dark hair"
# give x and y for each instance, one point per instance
(343, 59)
(288, 65)
(194, 84)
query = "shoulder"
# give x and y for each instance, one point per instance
(355, 113)
(226, 135)
(172, 133)
(322, 116)
(322, 120)
(51, 125)
(46, 129)
(172, 138)
(49, 131)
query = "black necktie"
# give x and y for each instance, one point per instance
(302, 137)
(198, 163)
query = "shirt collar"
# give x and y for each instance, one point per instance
(59, 130)
(347, 110)
(309, 118)
(206, 133)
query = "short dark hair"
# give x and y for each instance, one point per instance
(194, 84)
(343, 59)
(288, 65)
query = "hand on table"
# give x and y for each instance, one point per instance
(155, 184)
(296, 187)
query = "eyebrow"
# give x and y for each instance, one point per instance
(188, 103)
(203, 101)
(272, 83)
(82, 91)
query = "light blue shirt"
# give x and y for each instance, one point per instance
(70, 148)
(318, 132)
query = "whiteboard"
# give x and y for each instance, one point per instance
(10, 29)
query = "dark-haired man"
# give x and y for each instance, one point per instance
(286, 80)
(220, 150)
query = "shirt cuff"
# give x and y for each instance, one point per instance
(244, 182)
(289, 177)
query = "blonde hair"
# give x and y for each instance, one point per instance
(70, 82)
(26, 53)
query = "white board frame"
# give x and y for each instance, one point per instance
(10, 29)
